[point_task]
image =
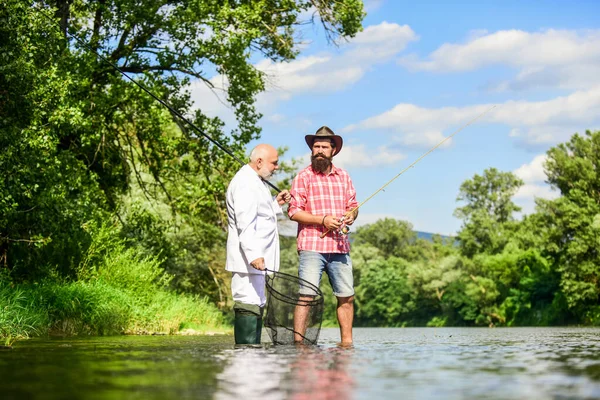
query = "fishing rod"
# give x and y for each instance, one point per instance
(345, 229)
(155, 97)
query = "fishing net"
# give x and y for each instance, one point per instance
(294, 309)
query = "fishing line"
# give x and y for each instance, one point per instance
(413, 164)
(164, 103)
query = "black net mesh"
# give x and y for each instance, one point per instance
(294, 309)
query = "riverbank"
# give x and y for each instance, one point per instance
(117, 289)
(98, 308)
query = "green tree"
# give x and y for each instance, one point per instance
(431, 280)
(488, 219)
(391, 236)
(45, 191)
(76, 137)
(384, 296)
(570, 225)
(536, 298)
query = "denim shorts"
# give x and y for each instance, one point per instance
(338, 268)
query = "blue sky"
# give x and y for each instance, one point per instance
(420, 71)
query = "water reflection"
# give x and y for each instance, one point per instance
(286, 372)
(322, 374)
(543, 363)
(249, 373)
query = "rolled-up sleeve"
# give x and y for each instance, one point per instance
(298, 192)
(352, 203)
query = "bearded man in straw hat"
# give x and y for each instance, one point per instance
(323, 200)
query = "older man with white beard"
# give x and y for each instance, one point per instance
(252, 240)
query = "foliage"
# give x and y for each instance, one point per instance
(535, 299)
(45, 191)
(76, 136)
(392, 237)
(19, 319)
(390, 298)
(119, 290)
(570, 224)
(488, 220)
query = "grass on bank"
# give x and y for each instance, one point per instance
(118, 291)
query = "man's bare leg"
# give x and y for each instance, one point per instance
(345, 315)
(300, 314)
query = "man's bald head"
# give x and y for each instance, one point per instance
(264, 160)
(261, 151)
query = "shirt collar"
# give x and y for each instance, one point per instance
(250, 171)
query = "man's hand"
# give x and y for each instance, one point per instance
(331, 223)
(283, 197)
(258, 264)
(349, 217)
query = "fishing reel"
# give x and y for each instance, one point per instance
(344, 229)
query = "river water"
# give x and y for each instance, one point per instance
(409, 363)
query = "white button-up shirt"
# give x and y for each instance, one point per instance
(252, 230)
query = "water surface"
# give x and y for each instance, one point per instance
(413, 363)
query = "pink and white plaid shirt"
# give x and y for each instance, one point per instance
(320, 194)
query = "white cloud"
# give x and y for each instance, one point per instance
(323, 73)
(534, 171)
(305, 75)
(531, 123)
(424, 139)
(551, 58)
(526, 195)
(534, 176)
(359, 156)
(372, 5)
(409, 117)
(515, 48)
(531, 190)
(328, 72)
(569, 77)
(275, 118)
(212, 102)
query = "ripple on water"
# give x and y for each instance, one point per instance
(410, 363)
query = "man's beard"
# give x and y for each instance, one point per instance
(265, 173)
(320, 163)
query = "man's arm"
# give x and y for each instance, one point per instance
(352, 204)
(351, 216)
(328, 221)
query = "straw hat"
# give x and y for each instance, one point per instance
(325, 133)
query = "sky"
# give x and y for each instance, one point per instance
(417, 73)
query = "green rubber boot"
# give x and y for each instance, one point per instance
(244, 328)
(247, 325)
(258, 328)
